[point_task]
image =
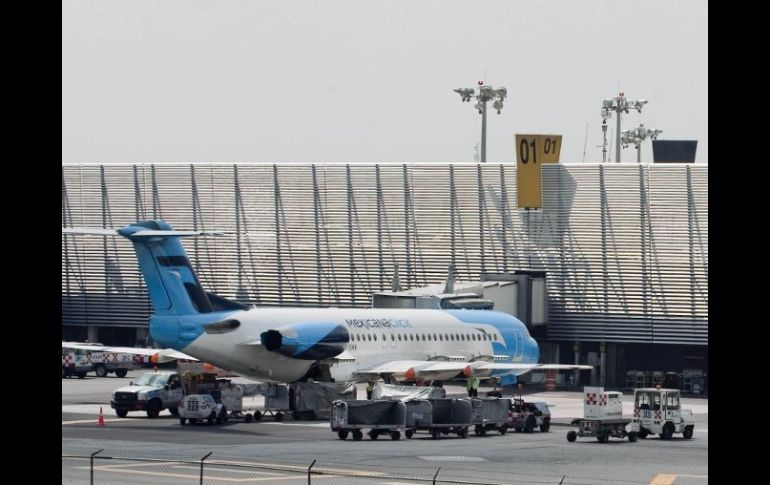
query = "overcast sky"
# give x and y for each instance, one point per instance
(371, 81)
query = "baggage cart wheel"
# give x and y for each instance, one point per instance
(374, 434)
(342, 434)
(409, 433)
(571, 436)
(257, 415)
(687, 433)
(395, 435)
(632, 436)
(279, 416)
(603, 436)
(435, 433)
(248, 418)
(357, 434)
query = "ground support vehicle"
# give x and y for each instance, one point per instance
(602, 417)
(526, 416)
(151, 392)
(419, 415)
(450, 416)
(490, 414)
(659, 411)
(199, 407)
(380, 417)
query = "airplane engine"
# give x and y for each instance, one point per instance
(307, 341)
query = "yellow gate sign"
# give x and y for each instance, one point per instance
(531, 152)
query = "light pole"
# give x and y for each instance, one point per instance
(620, 104)
(486, 93)
(637, 136)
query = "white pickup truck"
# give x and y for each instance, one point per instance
(151, 392)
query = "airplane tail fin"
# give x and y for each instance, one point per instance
(172, 284)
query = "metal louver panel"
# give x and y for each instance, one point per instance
(625, 247)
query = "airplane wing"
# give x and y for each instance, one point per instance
(163, 355)
(485, 369)
(412, 369)
(441, 369)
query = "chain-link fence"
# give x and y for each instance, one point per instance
(113, 470)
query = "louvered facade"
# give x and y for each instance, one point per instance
(625, 247)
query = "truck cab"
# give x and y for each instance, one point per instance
(659, 411)
(151, 392)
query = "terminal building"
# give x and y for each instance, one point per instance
(612, 271)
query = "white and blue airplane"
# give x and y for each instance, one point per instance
(272, 344)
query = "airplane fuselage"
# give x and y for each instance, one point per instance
(375, 336)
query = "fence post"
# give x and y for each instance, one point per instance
(308, 472)
(210, 452)
(434, 476)
(92, 464)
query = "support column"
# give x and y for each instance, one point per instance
(602, 364)
(576, 348)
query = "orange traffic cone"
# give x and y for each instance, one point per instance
(101, 416)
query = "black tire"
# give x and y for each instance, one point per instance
(477, 430)
(174, 411)
(503, 429)
(248, 418)
(279, 416)
(342, 434)
(122, 413)
(643, 433)
(546, 425)
(483, 431)
(211, 418)
(571, 436)
(374, 434)
(668, 431)
(100, 370)
(257, 415)
(530, 424)
(222, 418)
(435, 433)
(395, 435)
(357, 435)
(296, 416)
(463, 432)
(632, 436)
(121, 372)
(182, 421)
(81, 375)
(603, 437)
(409, 433)
(688, 430)
(153, 409)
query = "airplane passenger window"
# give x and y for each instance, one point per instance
(399, 337)
(434, 337)
(411, 337)
(393, 337)
(384, 337)
(441, 337)
(374, 337)
(423, 337)
(452, 337)
(462, 337)
(369, 337)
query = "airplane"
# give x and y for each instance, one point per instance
(280, 344)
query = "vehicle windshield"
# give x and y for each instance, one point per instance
(647, 400)
(152, 380)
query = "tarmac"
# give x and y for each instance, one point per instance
(268, 451)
